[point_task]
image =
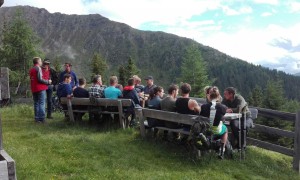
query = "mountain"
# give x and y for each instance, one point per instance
(75, 38)
(297, 74)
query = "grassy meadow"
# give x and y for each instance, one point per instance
(62, 150)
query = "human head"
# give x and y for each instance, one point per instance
(97, 79)
(185, 89)
(37, 61)
(68, 67)
(67, 78)
(46, 63)
(119, 86)
(113, 80)
(173, 90)
(214, 93)
(137, 80)
(229, 93)
(207, 89)
(149, 80)
(130, 82)
(82, 82)
(157, 91)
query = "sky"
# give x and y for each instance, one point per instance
(265, 32)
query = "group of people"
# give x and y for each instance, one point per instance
(150, 96)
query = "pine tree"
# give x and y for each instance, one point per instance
(193, 71)
(256, 97)
(274, 95)
(131, 69)
(122, 75)
(98, 65)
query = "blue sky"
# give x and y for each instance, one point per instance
(258, 31)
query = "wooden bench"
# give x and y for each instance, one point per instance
(91, 103)
(184, 119)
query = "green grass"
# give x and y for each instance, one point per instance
(60, 150)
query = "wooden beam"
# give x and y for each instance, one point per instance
(1, 138)
(173, 117)
(70, 110)
(276, 114)
(97, 102)
(273, 131)
(174, 130)
(270, 146)
(11, 167)
(120, 109)
(139, 115)
(296, 158)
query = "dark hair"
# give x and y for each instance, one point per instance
(46, 59)
(35, 60)
(231, 90)
(67, 63)
(81, 81)
(67, 76)
(172, 88)
(214, 92)
(95, 78)
(130, 82)
(154, 91)
(185, 88)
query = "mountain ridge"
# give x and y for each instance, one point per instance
(75, 38)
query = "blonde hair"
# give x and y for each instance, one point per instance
(113, 79)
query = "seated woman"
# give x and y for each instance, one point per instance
(156, 96)
(215, 111)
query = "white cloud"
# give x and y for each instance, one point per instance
(266, 14)
(272, 2)
(232, 12)
(294, 7)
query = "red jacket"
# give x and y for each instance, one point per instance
(46, 73)
(36, 81)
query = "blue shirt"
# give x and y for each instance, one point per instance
(64, 90)
(112, 92)
(74, 81)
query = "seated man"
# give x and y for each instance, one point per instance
(97, 89)
(237, 104)
(154, 103)
(112, 92)
(169, 104)
(130, 93)
(215, 111)
(185, 105)
(80, 92)
(65, 89)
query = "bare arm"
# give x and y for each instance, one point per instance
(193, 105)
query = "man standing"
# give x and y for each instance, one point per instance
(49, 73)
(112, 92)
(150, 85)
(38, 89)
(237, 104)
(74, 82)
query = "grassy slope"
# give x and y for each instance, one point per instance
(59, 150)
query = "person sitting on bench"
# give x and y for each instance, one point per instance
(215, 111)
(97, 89)
(156, 96)
(185, 105)
(80, 92)
(65, 89)
(112, 92)
(237, 104)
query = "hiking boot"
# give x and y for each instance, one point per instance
(221, 151)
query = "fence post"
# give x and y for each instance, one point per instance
(139, 114)
(296, 157)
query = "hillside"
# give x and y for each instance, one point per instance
(60, 150)
(76, 37)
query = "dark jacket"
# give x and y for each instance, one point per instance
(220, 112)
(130, 93)
(237, 105)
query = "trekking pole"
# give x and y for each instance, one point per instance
(245, 132)
(240, 138)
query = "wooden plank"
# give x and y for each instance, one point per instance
(97, 101)
(139, 115)
(1, 138)
(276, 114)
(273, 131)
(10, 165)
(174, 130)
(270, 146)
(173, 117)
(3, 170)
(70, 110)
(120, 110)
(296, 157)
(4, 76)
